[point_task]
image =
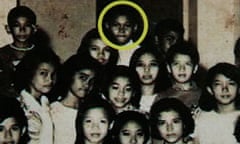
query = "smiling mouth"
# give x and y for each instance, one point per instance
(147, 77)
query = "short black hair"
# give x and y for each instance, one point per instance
(21, 11)
(166, 25)
(185, 48)
(208, 101)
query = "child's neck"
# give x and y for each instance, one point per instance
(177, 142)
(147, 90)
(225, 108)
(71, 101)
(22, 45)
(184, 86)
(87, 142)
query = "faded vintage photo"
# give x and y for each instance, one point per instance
(120, 72)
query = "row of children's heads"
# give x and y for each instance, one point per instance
(167, 116)
(97, 122)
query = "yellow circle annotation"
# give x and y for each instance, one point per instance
(135, 6)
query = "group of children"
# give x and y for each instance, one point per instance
(100, 95)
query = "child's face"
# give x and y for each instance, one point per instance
(147, 68)
(131, 133)
(120, 92)
(43, 79)
(224, 89)
(10, 131)
(182, 68)
(22, 30)
(168, 40)
(170, 126)
(121, 29)
(99, 51)
(95, 125)
(82, 83)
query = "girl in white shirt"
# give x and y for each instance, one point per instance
(76, 80)
(146, 62)
(35, 76)
(220, 106)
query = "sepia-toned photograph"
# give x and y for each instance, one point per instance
(120, 72)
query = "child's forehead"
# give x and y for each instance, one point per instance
(168, 112)
(181, 56)
(8, 120)
(96, 112)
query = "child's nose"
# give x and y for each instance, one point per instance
(95, 126)
(133, 140)
(101, 53)
(146, 68)
(121, 28)
(22, 28)
(225, 88)
(121, 92)
(169, 127)
(182, 67)
(8, 135)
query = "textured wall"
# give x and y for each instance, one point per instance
(64, 21)
(5, 5)
(218, 29)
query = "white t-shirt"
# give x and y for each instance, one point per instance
(146, 102)
(214, 128)
(125, 55)
(64, 123)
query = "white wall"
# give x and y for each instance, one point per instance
(5, 6)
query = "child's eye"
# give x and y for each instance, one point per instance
(115, 24)
(125, 133)
(154, 64)
(128, 88)
(139, 64)
(107, 49)
(140, 133)
(128, 25)
(43, 73)
(161, 122)
(87, 121)
(16, 127)
(189, 64)
(103, 121)
(232, 83)
(93, 48)
(174, 64)
(177, 120)
(216, 84)
(115, 87)
(83, 77)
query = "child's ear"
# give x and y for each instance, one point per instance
(106, 24)
(195, 69)
(23, 130)
(169, 68)
(35, 28)
(7, 28)
(135, 27)
(209, 90)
